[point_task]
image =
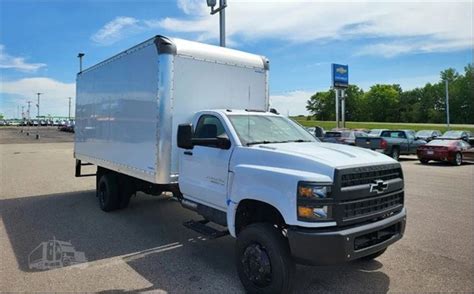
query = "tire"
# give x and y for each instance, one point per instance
(395, 154)
(263, 259)
(457, 159)
(424, 161)
(373, 255)
(107, 191)
(126, 190)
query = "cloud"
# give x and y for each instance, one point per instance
(434, 26)
(291, 103)
(388, 28)
(53, 101)
(17, 63)
(193, 7)
(395, 48)
(116, 30)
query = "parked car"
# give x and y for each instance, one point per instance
(3, 123)
(343, 137)
(316, 131)
(376, 132)
(332, 137)
(456, 135)
(68, 127)
(392, 143)
(427, 135)
(453, 151)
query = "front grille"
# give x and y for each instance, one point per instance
(361, 178)
(370, 206)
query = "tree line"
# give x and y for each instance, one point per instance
(389, 103)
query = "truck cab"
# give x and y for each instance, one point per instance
(265, 178)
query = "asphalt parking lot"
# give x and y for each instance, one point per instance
(146, 248)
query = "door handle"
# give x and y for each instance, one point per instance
(188, 153)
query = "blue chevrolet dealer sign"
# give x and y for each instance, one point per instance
(340, 75)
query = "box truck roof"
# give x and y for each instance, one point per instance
(195, 50)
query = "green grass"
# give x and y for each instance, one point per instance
(327, 125)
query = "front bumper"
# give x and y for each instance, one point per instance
(325, 247)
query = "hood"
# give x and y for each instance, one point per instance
(329, 154)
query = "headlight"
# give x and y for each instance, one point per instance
(314, 202)
(312, 190)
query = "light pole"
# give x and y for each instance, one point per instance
(22, 118)
(447, 103)
(69, 113)
(38, 116)
(28, 123)
(221, 10)
(38, 105)
(80, 55)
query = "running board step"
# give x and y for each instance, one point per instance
(202, 228)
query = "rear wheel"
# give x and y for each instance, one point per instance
(457, 159)
(107, 191)
(395, 153)
(126, 190)
(263, 260)
(424, 161)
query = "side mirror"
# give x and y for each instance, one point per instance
(223, 142)
(185, 136)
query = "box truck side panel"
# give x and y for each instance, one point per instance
(116, 116)
(200, 85)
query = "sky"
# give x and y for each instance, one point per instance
(396, 42)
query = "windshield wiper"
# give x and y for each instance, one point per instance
(296, 141)
(259, 142)
(277, 142)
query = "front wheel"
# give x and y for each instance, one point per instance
(457, 159)
(395, 154)
(424, 161)
(263, 258)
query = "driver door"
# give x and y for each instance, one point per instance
(204, 169)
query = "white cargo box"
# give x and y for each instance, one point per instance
(128, 107)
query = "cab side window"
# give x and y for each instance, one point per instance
(209, 127)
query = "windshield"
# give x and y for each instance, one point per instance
(333, 135)
(440, 143)
(454, 134)
(265, 129)
(375, 131)
(423, 133)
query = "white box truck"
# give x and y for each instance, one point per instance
(194, 119)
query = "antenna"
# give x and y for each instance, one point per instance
(248, 115)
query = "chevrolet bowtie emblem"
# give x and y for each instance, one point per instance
(341, 70)
(379, 186)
